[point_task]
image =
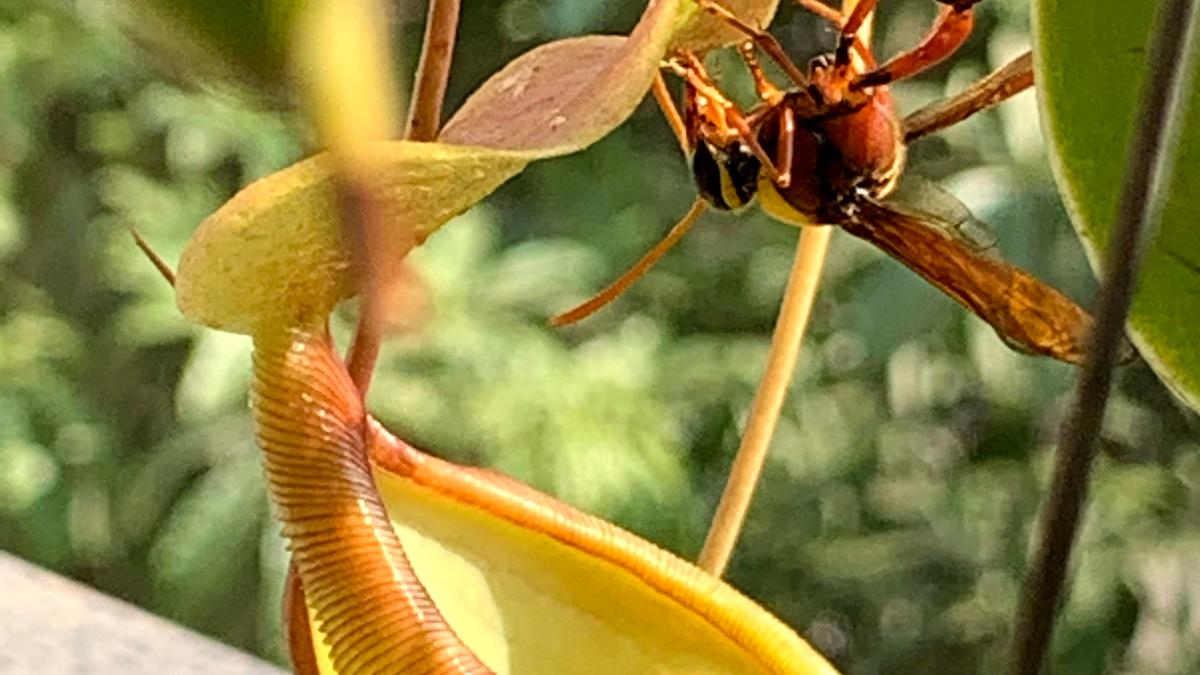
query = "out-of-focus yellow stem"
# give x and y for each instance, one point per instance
(343, 65)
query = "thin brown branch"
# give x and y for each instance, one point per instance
(433, 71)
(155, 259)
(297, 631)
(639, 269)
(374, 246)
(665, 103)
(1135, 211)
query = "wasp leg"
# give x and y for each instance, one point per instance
(748, 138)
(766, 90)
(849, 32)
(835, 17)
(1010, 79)
(671, 112)
(950, 30)
(822, 10)
(763, 39)
(695, 75)
(616, 288)
(772, 96)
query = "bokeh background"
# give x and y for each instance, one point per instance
(895, 518)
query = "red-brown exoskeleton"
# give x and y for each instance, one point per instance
(830, 150)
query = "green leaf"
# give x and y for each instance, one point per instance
(273, 254)
(700, 31)
(565, 95)
(252, 36)
(1091, 61)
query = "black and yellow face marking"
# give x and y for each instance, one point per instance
(726, 179)
(718, 140)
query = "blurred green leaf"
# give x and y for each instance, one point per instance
(251, 36)
(1089, 119)
(27, 472)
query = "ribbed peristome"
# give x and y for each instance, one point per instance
(485, 571)
(363, 596)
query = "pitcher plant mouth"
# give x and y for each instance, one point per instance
(410, 563)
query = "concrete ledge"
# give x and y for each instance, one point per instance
(50, 625)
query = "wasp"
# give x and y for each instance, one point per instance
(830, 148)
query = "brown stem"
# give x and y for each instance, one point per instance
(375, 245)
(639, 269)
(1068, 489)
(433, 71)
(297, 630)
(669, 110)
(155, 259)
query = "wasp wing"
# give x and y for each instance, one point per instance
(946, 246)
(925, 201)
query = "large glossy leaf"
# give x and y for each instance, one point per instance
(1091, 61)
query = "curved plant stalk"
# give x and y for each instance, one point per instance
(1136, 213)
(340, 52)
(424, 120)
(794, 312)
(368, 605)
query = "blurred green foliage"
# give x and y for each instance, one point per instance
(894, 522)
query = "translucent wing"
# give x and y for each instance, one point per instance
(925, 201)
(948, 251)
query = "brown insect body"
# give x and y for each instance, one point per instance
(861, 123)
(848, 155)
(851, 146)
(846, 135)
(831, 150)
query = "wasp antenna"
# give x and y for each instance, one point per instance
(634, 273)
(161, 265)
